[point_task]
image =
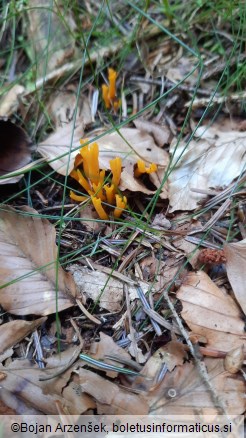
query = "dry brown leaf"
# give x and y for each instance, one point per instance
(105, 289)
(12, 178)
(81, 402)
(236, 270)
(234, 359)
(31, 393)
(107, 346)
(28, 265)
(89, 218)
(183, 391)
(41, 395)
(110, 398)
(58, 42)
(171, 355)
(180, 67)
(166, 271)
(9, 103)
(15, 150)
(14, 331)
(65, 139)
(211, 312)
(6, 354)
(131, 145)
(160, 133)
(92, 284)
(190, 251)
(205, 163)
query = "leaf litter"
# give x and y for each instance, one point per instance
(28, 265)
(182, 314)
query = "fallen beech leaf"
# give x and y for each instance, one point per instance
(171, 355)
(103, 288)
(110, 398)
(41, 395)
(81, 402)
(184, 392)
(14, 331)
(13, 177)
(107, 346)
(59, 39)
(211, 312)
(131, 145)
(236, 270)
(65, 139)
(28, 255)
(6, 354)
(160, 133)
(233, 361)
(9, 103)
(207, 163)
(15, 150)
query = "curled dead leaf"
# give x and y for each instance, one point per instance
(211, 312)
(14, 331)
(205, 162)
(184, 391)
(233, 361)
(236, 270)
(28, 258)
(15, 147)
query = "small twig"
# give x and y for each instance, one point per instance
(86, 313)
(76, 329)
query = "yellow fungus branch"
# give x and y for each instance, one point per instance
(92, 179)
(83, 181)
(115, 166)
(110, 193)
(120, 205)
(141, 168)
(77, 198)
(109, 91)
(99, 208)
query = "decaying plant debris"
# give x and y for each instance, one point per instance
(122, 264)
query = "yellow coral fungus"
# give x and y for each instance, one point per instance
(109, 91)
(83, 181)
(92, 179)
(141, 168)
(112, 75)
(77, 198)
(120, 205)
(90, 155)
(115, 166)
(99, 208)
(98, 190)
(110, 193)
(105, 95)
